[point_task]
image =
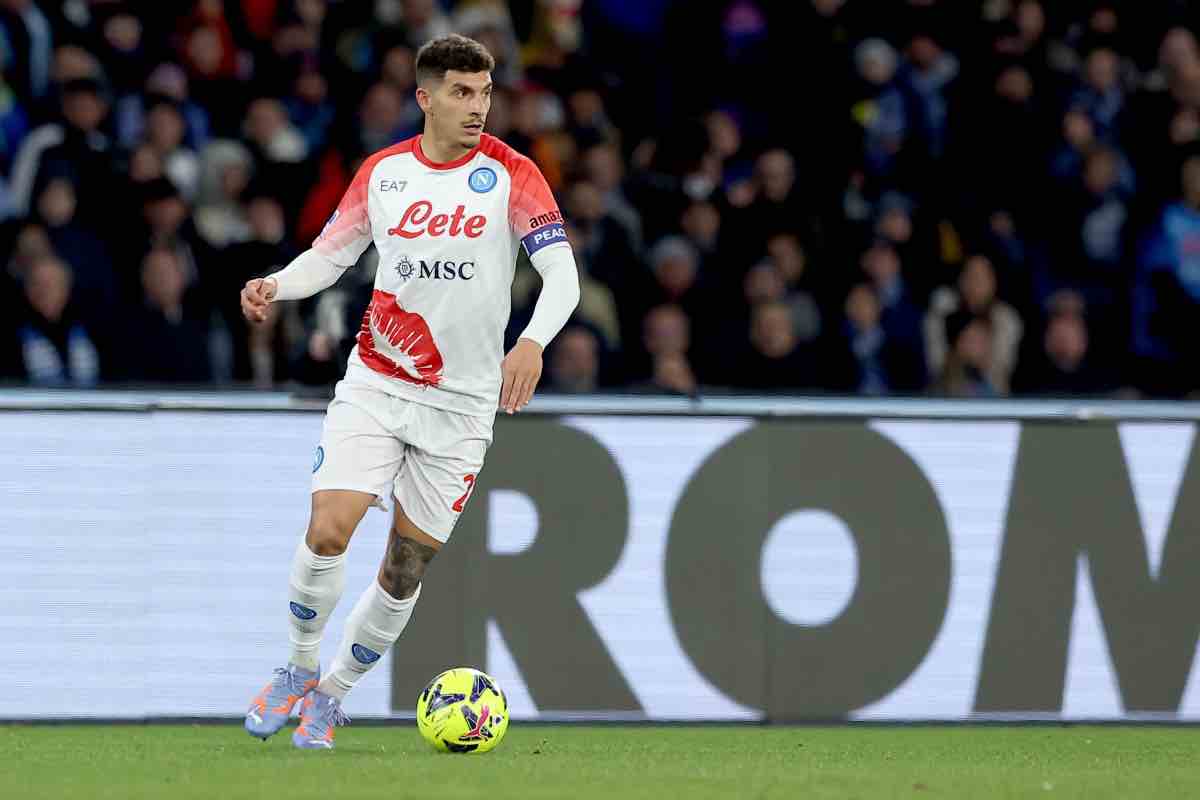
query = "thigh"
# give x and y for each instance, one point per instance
(357, 452)
(437, 478)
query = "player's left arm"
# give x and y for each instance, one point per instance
(522, 367)
(536, 221)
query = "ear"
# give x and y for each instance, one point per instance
(424, 99)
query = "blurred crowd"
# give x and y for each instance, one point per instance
(970, 198)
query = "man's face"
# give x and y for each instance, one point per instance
(84, 110)
(667, 331)
(162, 279)
(772, 331)
(48, 288)
(458, 106)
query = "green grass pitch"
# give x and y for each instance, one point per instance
(579, 761)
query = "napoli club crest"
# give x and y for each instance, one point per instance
(404, 268)
(482, 180)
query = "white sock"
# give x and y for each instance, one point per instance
(314, 587)
(373, 626)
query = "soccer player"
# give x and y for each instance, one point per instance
(413, 415)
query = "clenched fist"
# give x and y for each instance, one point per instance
(256, 296)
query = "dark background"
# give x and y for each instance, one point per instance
(899, 197)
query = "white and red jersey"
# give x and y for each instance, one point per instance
(447, 236)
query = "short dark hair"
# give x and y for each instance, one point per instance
(452, 52)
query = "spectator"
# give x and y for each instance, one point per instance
(1013, 147)
(776, 359)
(666, 339)
(881, 112)
(900, 315)
(773, 203)
(84, 252)
(1101, 97)
(57, 349)
(309, 109)
(863, 358)
(976, 295)
(166, 82)
(969, 360)
(1064, 366)
(76, 147)
(701, 224)
(165, 132)
(424, 20)
(383, 119)
(928, 76)
(123, 46)
(168, 224)
(491, 24)
(574, 363)
(787, 256)
(1095, 216)
(165, 340)
(226, 168)
(272, 134)
(604, 169)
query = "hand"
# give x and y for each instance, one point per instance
(521, 369)
(256, 296)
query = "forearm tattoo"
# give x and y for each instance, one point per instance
(404, 566)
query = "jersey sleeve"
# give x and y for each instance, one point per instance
(348, 232)
(532, 213)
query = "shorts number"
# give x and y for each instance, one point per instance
(469, 480)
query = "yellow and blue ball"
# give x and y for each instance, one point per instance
(462, 710)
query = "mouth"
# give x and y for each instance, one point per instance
(474, 127)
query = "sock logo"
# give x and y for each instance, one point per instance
(364, 655)
(303, 612)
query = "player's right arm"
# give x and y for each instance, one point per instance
(308, 274)
(343, 240)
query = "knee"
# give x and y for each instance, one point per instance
(326, 537)
(404, 566)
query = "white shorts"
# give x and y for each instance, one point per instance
(427, 458)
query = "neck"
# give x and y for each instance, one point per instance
(439, 151)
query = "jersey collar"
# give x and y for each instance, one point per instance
(458, 162)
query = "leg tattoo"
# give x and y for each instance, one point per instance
(404, 566)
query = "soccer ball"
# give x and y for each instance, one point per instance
(462, 711)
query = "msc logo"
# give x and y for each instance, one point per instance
(404, 268)
(482, 180)
(436, 271)
(419, 220)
